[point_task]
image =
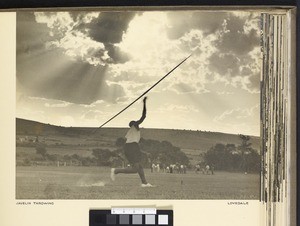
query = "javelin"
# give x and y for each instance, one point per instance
(145, 92)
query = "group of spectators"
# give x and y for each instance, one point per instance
(206, 169)
(172, 168)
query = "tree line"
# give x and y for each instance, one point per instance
(230, 157)
(227, 157)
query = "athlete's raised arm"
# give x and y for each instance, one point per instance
(144, 112)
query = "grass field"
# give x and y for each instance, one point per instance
(46, 182)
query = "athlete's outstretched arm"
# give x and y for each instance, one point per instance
(144, 112)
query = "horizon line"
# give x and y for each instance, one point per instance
(96, 128)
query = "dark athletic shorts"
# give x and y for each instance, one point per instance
(132, 152)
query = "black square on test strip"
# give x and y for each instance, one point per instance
(105, 218)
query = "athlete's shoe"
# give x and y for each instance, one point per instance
(112, 174)
(147, 185)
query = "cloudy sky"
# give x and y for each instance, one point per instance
(81, 68)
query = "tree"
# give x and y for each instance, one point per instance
(118, 159)
(163, 152)
(103, 156)
(88, 161)
(229, 157)
(220, 156)
(120, 142)
(245, 146)
(245, 149)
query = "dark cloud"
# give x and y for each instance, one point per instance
(254, 84)
(50, 73)
(116, 55)
(246, 70)
(77, 15)
(31, 36)
(107, 28)
(229, 65)
(96, 53)
(224, 63)
(237, 42)
(110, 27)
(233, 46)
(209, 22)
(235, 23)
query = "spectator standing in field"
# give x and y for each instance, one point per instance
(212, 169)
(171, 168)
(197, 168)
(207, 169)
(167, 169)
(158, 167)
(132, 150)
(152, 167)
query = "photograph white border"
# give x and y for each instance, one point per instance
(75, 212)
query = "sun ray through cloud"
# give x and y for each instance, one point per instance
(101, 61)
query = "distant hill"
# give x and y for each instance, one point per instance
(185, 139)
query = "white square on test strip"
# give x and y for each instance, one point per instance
(163, 219)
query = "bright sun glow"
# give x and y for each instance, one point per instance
(81, 69)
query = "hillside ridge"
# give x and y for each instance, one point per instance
(185, 139)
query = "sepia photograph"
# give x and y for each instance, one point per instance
(134, 104)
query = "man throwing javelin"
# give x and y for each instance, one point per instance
(132, 150)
